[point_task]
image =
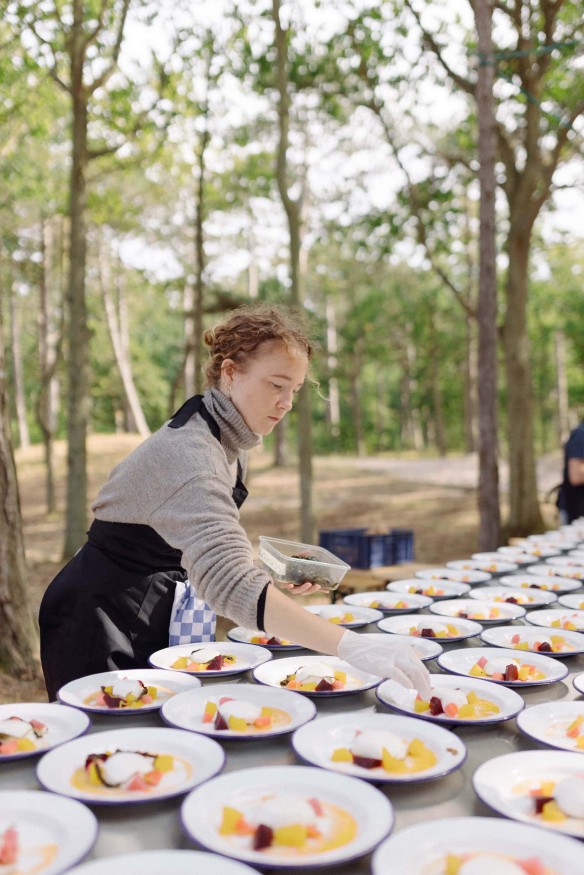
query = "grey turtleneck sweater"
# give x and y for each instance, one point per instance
(179, 482)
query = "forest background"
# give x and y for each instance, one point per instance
(162, 162)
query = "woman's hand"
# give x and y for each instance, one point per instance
(305, 588)
(380, 655)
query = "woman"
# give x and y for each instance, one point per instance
(170, 511)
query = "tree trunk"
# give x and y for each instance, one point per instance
(200, 259)
(50, 337)
(470, 385)
(78, 403)
(524, 512)
(489, 514)
(280, 445)
(117, 323)
(562, 389)
(333, 406)
(19, 394)
(436, 388)
(18, 634)
(293, 209)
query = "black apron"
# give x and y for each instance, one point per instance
(110, 606)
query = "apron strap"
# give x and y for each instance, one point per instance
(189, 408)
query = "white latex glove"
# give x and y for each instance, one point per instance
(379, 654)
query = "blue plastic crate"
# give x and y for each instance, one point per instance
(364, 549)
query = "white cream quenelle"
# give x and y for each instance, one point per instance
(490, 864)
(379, 655)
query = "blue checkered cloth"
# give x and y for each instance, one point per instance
(192, 619)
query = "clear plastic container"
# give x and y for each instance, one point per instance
(290, 562)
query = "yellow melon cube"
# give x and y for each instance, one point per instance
(392, 764)
(294, 835)
(341, 676)
(93, 776)
(521, 646)
(547, 788)
(152, 691)
(416, 747)
(452, 629)
(453, 864)
(267, 712)
(237, 724)
(342, 755)
(420, 706)
(472, 698)
(477, 672)
(552, 811)
(467, 712)
(180, 663)
(231, 817)
(210, 711)
(580, 742)
(25, 744)
(164, 762)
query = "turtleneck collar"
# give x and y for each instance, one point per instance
(235, 434)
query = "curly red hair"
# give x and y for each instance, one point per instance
(241, 334)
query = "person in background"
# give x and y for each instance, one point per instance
(167, 520)
(571, 494)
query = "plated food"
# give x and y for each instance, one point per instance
(352, 617)
(262, 639)
(546, 582)
(458, 575)
(430, 628)
(558, 618)
(486, 613)
(242, 711)
(130, 765)
(207, 660)
(516, 556)
(41, 833)
(557, 724)
(30, 728)
(287, 815)
(477, 846)
(154, 862)
(388, 602)
(535, 639)
(440, 589)
(544, 788)
(503, 666)
(125, 692)
(526, 598)
(380, 747)
(315, 676)
(571, 573)
(574, 600)
(458, 700)
(491, 566)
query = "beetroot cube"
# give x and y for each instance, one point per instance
(544, 647)
(540, 801)
(216, 663)
(324, 687)
(263, 837)
(436, 706)
(366, 762)
(511, 673)
(220, 722)
(427, 633)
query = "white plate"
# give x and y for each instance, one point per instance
(186, 711)
(199, 759)
(451, 574)
(566, 561)
(562, 571)
(62, 724)
(361, 616)
(272, 673)
(247, 656)
(577, 554)
(403, 625)
(516, 557)
(387, 601)
(500, 636)
(422, 849)
(574, 601)
(539, 551)
(548, 582)
(168, 683)
(43, 821)
(446, 589)
(478, 612)
(201, 812)
(503, 784)
(526, 598)
(316, 742)
(461, 661)
(491, 566)
(244, 636)
(156, 862)
(578, 683)
(547, 617)
(508, 701)
(549, 721)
